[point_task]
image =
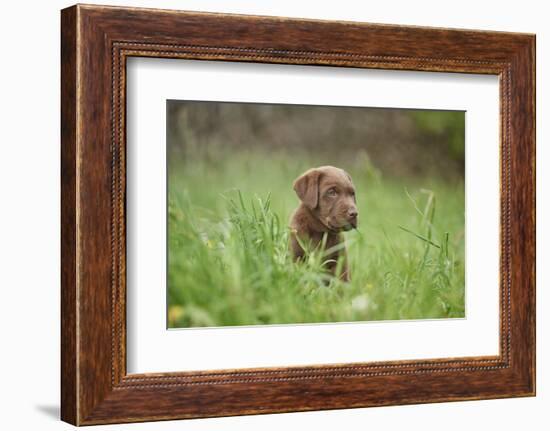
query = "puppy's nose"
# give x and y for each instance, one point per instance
(352, 213)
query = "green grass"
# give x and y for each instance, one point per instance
(229, 263)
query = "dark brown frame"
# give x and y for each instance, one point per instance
(95, 43)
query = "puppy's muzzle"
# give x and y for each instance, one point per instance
(352, 218)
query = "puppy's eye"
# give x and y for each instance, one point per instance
(332, 193)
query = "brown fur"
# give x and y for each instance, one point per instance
(327, 206)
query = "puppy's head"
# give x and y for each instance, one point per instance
(329, 194)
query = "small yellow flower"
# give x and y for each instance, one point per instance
(175, 313)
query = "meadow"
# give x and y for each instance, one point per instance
(228, 259)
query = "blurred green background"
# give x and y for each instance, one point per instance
(230, 172)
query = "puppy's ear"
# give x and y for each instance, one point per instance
(307, 188)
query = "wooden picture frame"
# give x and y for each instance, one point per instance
(95, 43)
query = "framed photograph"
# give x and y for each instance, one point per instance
(264, 215)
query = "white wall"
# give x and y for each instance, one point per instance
(29, 214)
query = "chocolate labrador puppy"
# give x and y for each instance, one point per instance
(328, 207)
